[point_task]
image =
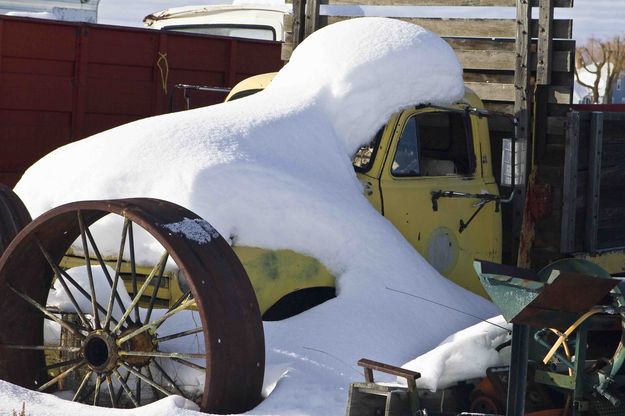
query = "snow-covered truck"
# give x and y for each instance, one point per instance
(393, 166)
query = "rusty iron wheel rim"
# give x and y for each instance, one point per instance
(230, 322)
(13, 216)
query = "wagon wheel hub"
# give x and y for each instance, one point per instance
(144, 342)
(100, 351)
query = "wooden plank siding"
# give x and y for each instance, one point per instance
(485, 47)
(597, 221)
(446, 3)
(523, 66)
(471, 28)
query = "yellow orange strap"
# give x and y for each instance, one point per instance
(568, 332)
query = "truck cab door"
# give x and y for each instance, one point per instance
(434, 150)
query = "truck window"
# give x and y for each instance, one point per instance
(232, 30)
(406, 161)
(435, 143)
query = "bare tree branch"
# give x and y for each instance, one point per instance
(605, 61)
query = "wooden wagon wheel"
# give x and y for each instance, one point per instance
(13, 216)
(120, 354)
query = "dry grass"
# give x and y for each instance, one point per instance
(21, 413)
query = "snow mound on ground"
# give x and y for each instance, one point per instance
(274, 170)
(464, 355)
(14, 397)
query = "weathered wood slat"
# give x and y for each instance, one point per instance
(287, 50)
(480, 28)
(500, 106)
(556, 125)
(505, 92)
(504, 60)
(569, 192)
(560, 95)
(492, 91)
(443, 3)
(594, 183)
(312, 17)
(503, 44)
(490, 60)
(546, 56)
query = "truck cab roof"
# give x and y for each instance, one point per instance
(241, 20)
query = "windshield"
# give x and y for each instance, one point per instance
(237, 31)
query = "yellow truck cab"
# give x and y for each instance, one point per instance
(420, 171)
(422, 155)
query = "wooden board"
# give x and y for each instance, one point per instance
(443, 3)
(505, 92)
(479, 28)
(504, 60)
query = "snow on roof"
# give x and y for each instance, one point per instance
(198, 11)
(274, 170)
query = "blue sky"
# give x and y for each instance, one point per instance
(602, 18)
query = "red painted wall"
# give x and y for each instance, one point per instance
(60, 82)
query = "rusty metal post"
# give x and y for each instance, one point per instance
(517, 380)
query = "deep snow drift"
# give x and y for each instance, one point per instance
(274, 170)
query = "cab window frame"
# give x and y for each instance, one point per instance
(467, 124)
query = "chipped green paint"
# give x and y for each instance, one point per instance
(276, 273)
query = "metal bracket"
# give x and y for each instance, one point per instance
(186, 87)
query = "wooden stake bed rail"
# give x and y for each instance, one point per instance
(523, 66)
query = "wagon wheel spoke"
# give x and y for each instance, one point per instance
(111, 391)
(111, 281)
(62, 375)
(161, 354)
(96, 394)
(148, 380)
(41, 347)
(63, 363)
(59, 276)
(50, 315)
(184, 297)
(138, 389)
(135, 301)
(180, 334)
(125, 387)
(84, 382)
(153, 324)
(85, 248)
(168, 379)
(189, 364)
(121, 390)
(155, 290)
(155, 392)
(58, 271)
(133, 270)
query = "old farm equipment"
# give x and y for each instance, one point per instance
(573, 359)
(123, 353)
(575, 314)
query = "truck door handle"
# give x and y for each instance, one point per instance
(483, 199)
